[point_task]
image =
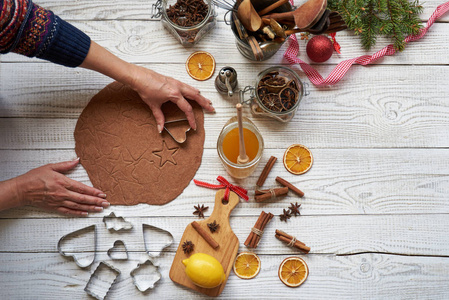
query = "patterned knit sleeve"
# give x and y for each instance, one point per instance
(28, 29)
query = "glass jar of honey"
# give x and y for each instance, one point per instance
(228, 147)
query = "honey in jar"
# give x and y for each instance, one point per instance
(228, 147)
(231, 144)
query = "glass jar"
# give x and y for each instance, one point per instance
(260, 107)
(239, 171)
(187, 36)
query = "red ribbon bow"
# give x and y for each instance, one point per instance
(224, 184)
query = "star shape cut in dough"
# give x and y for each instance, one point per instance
(166, 154)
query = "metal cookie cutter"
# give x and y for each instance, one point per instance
(179, 140)
(118, 251)
(101, 280)
(156, 239)
(82, 259)
(226, 81)
(114, 223)
(145, 276)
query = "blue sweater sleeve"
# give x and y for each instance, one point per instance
(40, 33)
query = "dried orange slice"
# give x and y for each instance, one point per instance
(200, 65)
(293, 271)
(298, 159)
(247, 265)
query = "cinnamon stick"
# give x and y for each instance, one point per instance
(203, 233)
(290, 186)
(261, 192)
(265, 221)
(286, 238)
(266, 170)
(254, 238)
(271, 193)
(257, 225)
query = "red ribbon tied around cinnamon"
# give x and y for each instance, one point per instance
(241, 192)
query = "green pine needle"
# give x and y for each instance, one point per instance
(372, 18)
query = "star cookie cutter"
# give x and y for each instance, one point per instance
(101, 280)
(145, 276)
(159, 238)
(118, 251)
(181, 139)
(68, 246)
(114, 223)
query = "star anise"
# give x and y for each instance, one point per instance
(199, 210)
(286, 215)
(294, 209)
(213, 226)
(187, 247)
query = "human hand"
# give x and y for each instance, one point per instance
(46, 187)
(156, 89)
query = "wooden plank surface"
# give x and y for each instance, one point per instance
(341, 181)
(375, 211)
(364, 276)
(411, 234)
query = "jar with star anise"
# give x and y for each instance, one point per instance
(187, 20)
(276, 93)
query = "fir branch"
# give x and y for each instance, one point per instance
(371, 18)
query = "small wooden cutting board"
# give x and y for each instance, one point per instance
(225, 253)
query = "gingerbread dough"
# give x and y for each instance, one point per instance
(124, 155)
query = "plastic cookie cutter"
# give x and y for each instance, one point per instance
(156, 239)
(101, 280)
(114, 223)
(118, 251)
(145, 276)
(182, 136)
(74, 245)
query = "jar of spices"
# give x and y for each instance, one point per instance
(187, 20)
(276, 93)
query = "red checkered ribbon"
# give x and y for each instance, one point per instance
(340, 70)
(224, 184)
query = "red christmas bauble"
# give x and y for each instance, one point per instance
(319, 48)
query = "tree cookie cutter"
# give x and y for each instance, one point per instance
(83, 259)
(145, 276)
(114, 223)
(101, 280)
(181, 139)
(118, 251)
(159, 238)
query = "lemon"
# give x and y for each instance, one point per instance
(204, 270)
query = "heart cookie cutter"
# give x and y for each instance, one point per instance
(80, 260)
(118, 251)
(158, 238)
(178, 140)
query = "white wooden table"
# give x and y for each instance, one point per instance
(376, 207)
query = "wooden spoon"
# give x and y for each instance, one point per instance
(271, 7)
(248, 16)
(242, 158)
(305, 16)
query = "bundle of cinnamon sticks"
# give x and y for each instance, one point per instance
(256, 232)
(291, 241)
(262, 195)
